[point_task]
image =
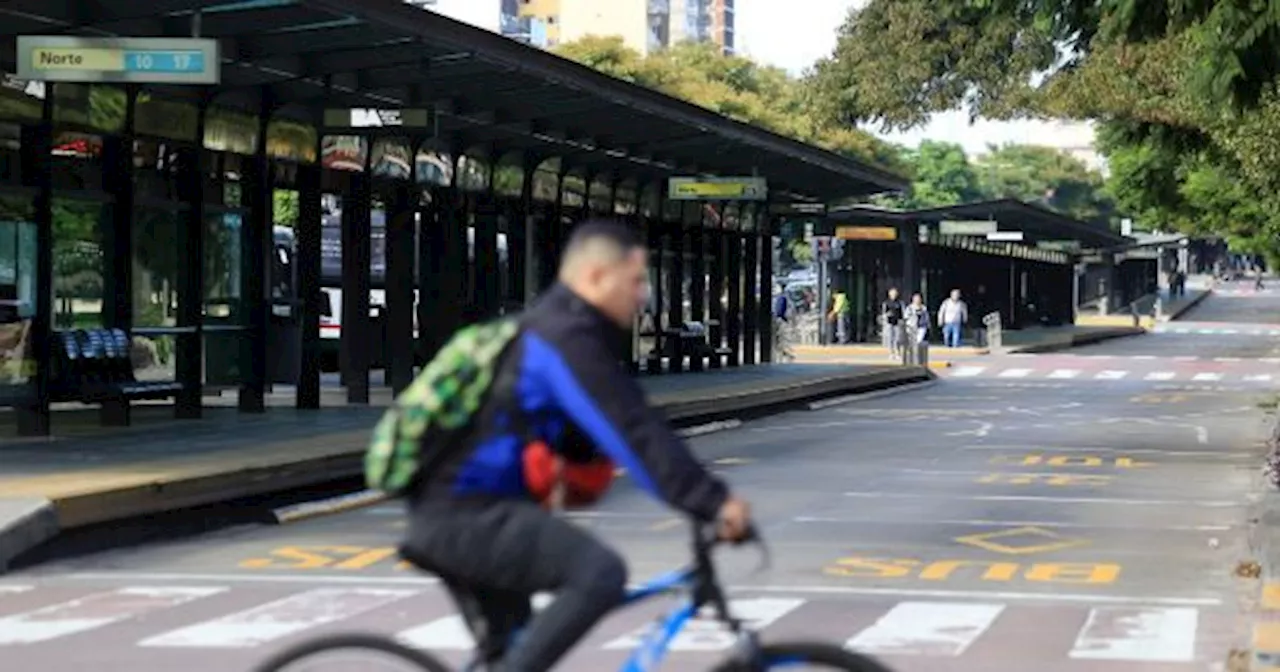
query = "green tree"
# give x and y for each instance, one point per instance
(735, 87)
(1045, 175)
(1141, 74)
(941, 175)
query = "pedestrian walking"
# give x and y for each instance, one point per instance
(839, 316)
(916, 318)
(891, 312)
(952, 316)
(781, 325)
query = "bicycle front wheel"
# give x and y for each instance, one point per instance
(352, 653)
(811, 656)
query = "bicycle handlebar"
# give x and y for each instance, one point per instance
(706, 537)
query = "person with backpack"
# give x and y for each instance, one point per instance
(520, 415)
(891, 319)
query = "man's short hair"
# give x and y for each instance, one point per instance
(609, 240)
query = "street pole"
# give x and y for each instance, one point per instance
(822, 300)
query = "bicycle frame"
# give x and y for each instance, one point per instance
(654, 646)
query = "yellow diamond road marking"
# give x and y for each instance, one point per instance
(1041, 541)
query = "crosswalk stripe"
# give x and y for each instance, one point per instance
(281, 618)
(93, 611)
(1226, 359)
(1110, 375)
(1207, 376)
(708, 635)
(450, 633)
(1064, 373)
(927, 628)
(1015, 373)
(1134, 634)
(967, 371)
(1185, 358)
(1258, 378)
(1159, 375)
(11, 589)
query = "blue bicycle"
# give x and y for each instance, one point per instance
(492, 634)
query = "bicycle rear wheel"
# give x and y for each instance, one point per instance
(811, 656)
(351, 653)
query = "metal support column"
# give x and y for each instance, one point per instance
(765, 309)
(37, 174)
(310, 298)
(751, 292)
(718, 251)
(189, 356)
(696, 240)
(733, 316)
(401, 242)
(357, 332)
(257, 245)
(675, 297)
(117, 242)
(486, 281)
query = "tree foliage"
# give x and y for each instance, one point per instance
(733, 86)
(1187, 105)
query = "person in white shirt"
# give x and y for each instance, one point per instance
(952, 315)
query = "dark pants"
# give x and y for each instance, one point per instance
(502, 553)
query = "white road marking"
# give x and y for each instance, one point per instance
(11, 589)
(968, 371)
(1143, 357)
(1207, 376)
(1226, 359)
(278, 619)
(1014, 373)
(449, 633)
(1056, 500)
(709, 635)
(742, 589)
(1135, 634)
(1064, 373)
(94, 611)
(1159, 375)
(1270, 360)
(1258, 378)
(926, 628)
(1123, 451)
(1015, 523)
(1110, 375)
(1185, 358)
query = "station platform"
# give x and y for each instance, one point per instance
(1038, 339)
(88, 474)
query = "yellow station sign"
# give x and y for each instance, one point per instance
(717, 188)
(866, 233)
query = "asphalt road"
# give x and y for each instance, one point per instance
(989, 523)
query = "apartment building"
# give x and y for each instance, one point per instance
(644, 25)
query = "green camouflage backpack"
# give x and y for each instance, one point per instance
(442, 400)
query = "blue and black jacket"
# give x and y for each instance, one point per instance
(563, 375)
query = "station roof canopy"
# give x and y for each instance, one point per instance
(489, 90)
(1036, 222)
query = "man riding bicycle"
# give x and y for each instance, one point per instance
(473, 519)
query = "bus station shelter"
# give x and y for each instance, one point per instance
(166, 240)
(1006, 256)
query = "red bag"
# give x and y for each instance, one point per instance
(555, 482)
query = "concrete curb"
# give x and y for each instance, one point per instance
(1077, 340)
(25, 524)
(1189, 305)
(1264, 641)
(31, 523)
